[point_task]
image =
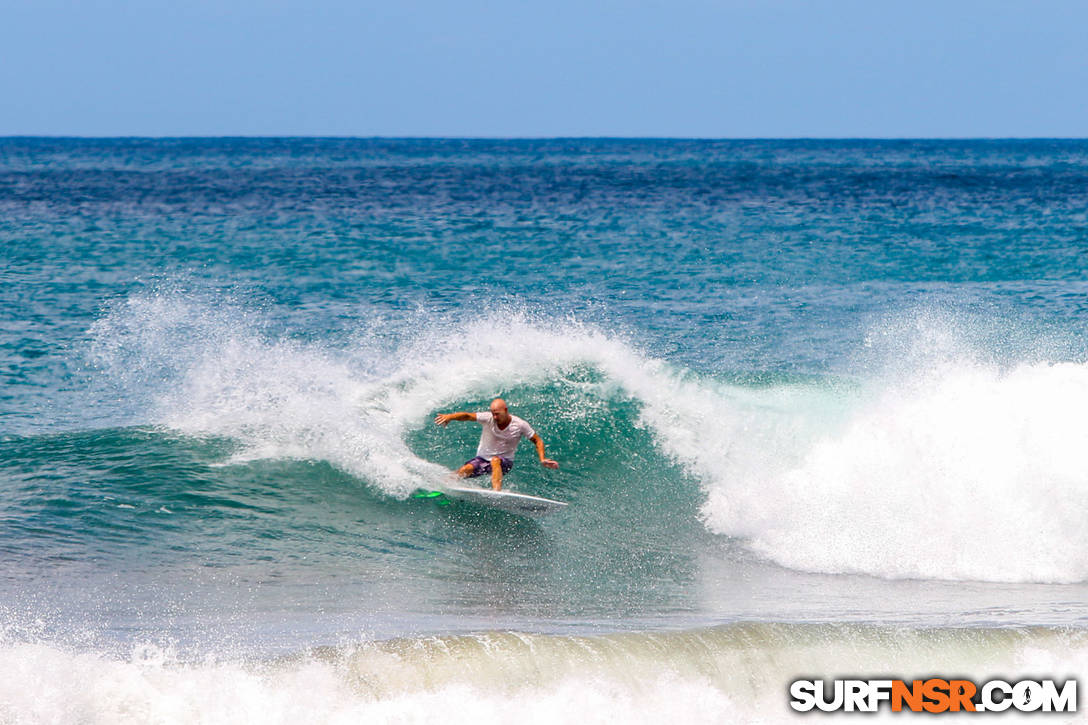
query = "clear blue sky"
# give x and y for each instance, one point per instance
(702, 68)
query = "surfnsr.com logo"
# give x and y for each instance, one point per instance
(933, 695)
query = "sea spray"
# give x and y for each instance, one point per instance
(731, 673)
(927, 473)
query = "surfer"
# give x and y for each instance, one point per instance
(498, 441)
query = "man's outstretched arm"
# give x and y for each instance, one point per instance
(443, 418)
(544, 461)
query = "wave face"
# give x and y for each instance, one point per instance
(945, 465)
(733, 674)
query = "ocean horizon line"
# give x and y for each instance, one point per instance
(386, 137)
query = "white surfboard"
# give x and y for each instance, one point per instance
(515, 503)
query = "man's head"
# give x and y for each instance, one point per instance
(499, 411)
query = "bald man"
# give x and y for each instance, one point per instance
(498, 441)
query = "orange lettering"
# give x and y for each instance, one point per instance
(936, 691)
(961, 692)
(911, 695)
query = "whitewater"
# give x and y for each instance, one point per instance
(952, 468)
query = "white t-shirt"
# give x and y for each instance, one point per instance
(501, 442)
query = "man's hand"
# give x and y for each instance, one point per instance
(443, 418)
(548, 463)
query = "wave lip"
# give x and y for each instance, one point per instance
(950, 469)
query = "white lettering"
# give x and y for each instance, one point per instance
(836, 702)
(1027, 696)
(856, 695)
(879, 691)
(803, 693)
(994, 705)
(1064, 701)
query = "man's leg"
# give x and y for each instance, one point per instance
(466, 471)
(496, 473)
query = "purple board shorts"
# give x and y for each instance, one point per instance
(481, 465)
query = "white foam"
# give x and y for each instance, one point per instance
(963, 472)
(737, 674)
(214, 373)
(47, 685)
(944, 467)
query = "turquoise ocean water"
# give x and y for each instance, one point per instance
(818, 405)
